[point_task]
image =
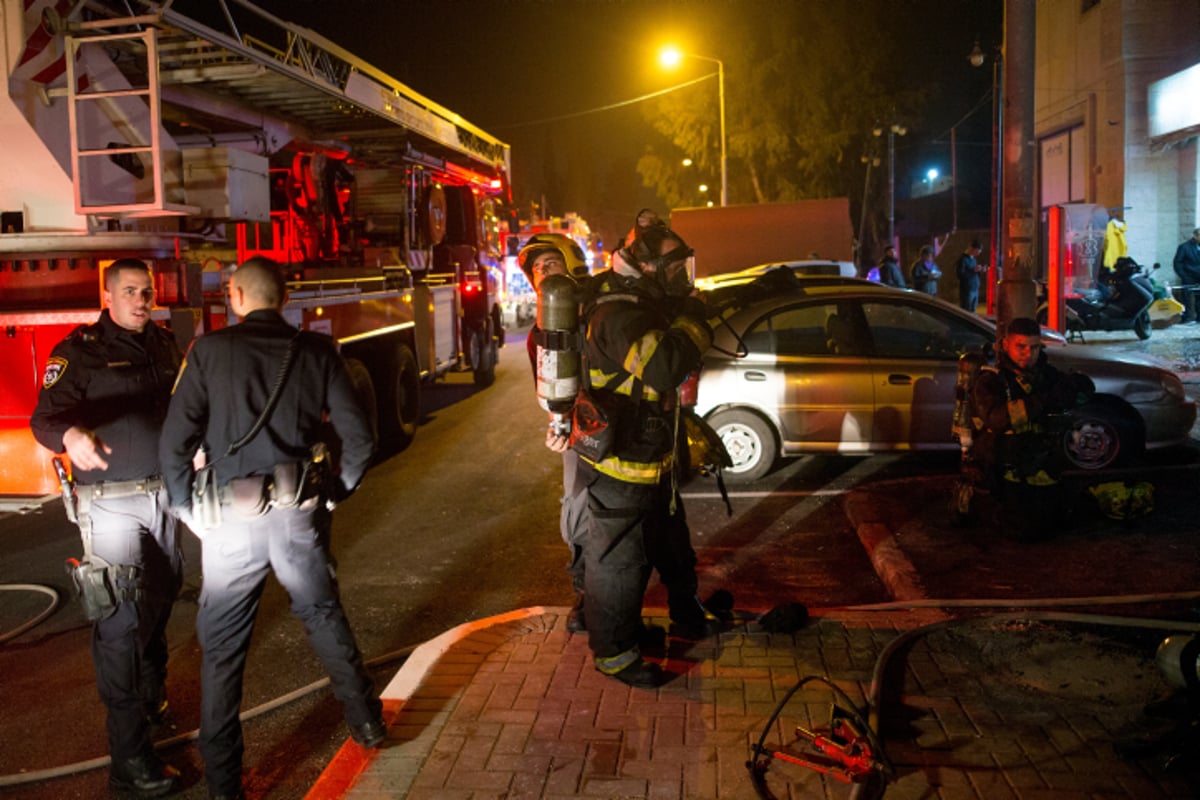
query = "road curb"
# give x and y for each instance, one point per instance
(351, 760)
(899, 576)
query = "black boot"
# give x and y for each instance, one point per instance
(641, 675)
(575, 621)
(142, 776)
(691, 620)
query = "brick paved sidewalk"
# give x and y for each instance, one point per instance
(512, 708)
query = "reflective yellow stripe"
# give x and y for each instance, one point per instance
(633, 471)
(601, 380)
(641, 352)
(614, 664)
(697, 331)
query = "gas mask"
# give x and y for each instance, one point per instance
(675, 271)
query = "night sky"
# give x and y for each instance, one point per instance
(528, 70)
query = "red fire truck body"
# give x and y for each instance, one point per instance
(194, 143)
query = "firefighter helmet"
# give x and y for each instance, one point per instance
(570, 250)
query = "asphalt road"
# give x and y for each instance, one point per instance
(464, 524)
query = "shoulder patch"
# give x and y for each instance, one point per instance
(56, 367)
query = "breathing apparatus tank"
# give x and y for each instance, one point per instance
(558, 349)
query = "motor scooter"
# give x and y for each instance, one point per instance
(1121, 304)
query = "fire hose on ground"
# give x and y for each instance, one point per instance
(103, 761)
(55, 601)
(853, 752)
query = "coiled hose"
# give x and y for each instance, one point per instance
(863, 791)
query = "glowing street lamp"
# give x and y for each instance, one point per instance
(670, 58)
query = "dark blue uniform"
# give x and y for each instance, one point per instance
(117, 383)
(226, 381)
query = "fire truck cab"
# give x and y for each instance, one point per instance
(196, 139)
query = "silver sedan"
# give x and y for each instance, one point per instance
(858, 368)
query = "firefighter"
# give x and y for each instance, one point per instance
(103, 400)
(255, 395)
(542, 256)
(1015, 405)
(646, 332)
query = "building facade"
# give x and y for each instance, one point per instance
(1117, 116)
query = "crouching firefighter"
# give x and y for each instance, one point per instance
(103, 400)
(1018, 405)
(645, 333)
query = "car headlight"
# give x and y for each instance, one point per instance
(1168, 386)
(1173, 386)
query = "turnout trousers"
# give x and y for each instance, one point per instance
(237, 556)
(630, 530)
(129, 647)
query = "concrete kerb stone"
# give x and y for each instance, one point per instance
(894, 569)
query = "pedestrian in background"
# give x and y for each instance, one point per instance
(889, 269)
(103, 400)
(925, 272)
(970, 275)
(256, 395)
(1187, 268)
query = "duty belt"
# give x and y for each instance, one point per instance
(111, 489)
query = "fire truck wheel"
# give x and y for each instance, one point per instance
(364, 387)
(483, 355)
(407, 396)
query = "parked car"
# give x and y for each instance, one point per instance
(815, 267)
(853, 367)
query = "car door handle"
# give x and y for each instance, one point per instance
(754, 375)
(896, 379)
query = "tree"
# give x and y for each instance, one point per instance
(800, 109)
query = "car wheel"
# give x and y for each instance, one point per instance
(1099, 436)
(750, 442)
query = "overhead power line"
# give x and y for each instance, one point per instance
(609, 107)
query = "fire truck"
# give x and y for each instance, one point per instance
(194, 135)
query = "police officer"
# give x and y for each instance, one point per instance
(103, 400)
(645, 335)
(270, 508)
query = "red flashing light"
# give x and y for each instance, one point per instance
(495, 184)
(470, 288)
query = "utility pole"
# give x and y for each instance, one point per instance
(1017, 290)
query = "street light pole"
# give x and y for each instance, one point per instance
(721, 101)
(671, 56)
(977, 59)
